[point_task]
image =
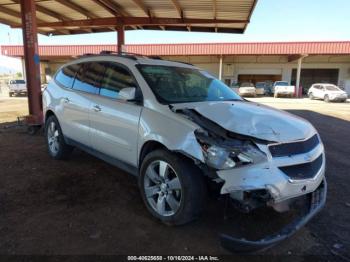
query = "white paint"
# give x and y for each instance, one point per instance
(297, 84)
(220, 68)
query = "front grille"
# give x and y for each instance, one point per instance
(303, 171)
(294, 148)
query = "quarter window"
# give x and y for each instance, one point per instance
(115, 79)
(66, 75)
(88, 77)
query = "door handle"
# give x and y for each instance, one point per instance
(66, 100)
(96, 108)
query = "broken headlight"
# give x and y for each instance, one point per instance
(227, 153)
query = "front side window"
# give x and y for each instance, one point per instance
(180, 85)
(282, 83)
(115, 78)
(88, 77)
(66, 75)
(332, 88)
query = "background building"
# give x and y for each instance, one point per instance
(232, 62)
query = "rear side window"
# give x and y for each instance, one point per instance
(88, 77)
(66, 75)
(115, 79)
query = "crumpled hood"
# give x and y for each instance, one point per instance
(252, 119)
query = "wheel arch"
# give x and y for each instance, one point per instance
(49, 113)
(152, 145)
(148, 147)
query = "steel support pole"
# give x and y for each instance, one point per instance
(297, 84)
(220, 67)
(121, 38)
(32, 61)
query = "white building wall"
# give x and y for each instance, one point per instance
(278, 65)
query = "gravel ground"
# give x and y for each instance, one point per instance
(85, 206)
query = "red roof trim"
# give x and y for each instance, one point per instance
(251, 48)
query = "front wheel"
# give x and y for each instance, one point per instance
(326, 98)
(311, 96)
(172, 187)
(57, 147)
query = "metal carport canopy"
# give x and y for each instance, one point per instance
(53, 17)
(74, 16)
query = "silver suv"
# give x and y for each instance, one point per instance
(179, 129)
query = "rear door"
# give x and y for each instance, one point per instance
(76, 104)
(114, 122)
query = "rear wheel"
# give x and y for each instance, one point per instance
(172, 187)
(326, 98)
(10, 94)
(57, 147)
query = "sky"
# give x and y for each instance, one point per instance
(272, 20)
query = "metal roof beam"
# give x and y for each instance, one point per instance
(47, 11)
(10, 23)
(112, 21)
(111, 7)
(10, 12)
(144, 8)
(77, 8)
(178, 8)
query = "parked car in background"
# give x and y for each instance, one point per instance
(268, 87)
(327, 92)
(179, 129)
(283, 88)
(17, 87)
(235, 87)
(260, 88)
(247, 89)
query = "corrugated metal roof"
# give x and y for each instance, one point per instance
(60, 13)
(276, 48)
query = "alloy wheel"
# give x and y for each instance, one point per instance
(162, 187)
(53, 138)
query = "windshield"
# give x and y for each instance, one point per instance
(180, 85)
(19, 82)
(247, 84)
(281, 83)
(332, 88)
(260, 84)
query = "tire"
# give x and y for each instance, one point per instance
(326, 99)
(10, 94)
(56, 146)
(311, 96)
(184, 183)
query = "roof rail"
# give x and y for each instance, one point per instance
(122, 54)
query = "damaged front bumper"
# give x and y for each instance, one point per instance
(285, 178)
(316, 202)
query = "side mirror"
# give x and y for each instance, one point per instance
(127, 93)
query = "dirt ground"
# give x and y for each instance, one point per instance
(85, 206)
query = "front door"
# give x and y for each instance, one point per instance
(114, 122)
